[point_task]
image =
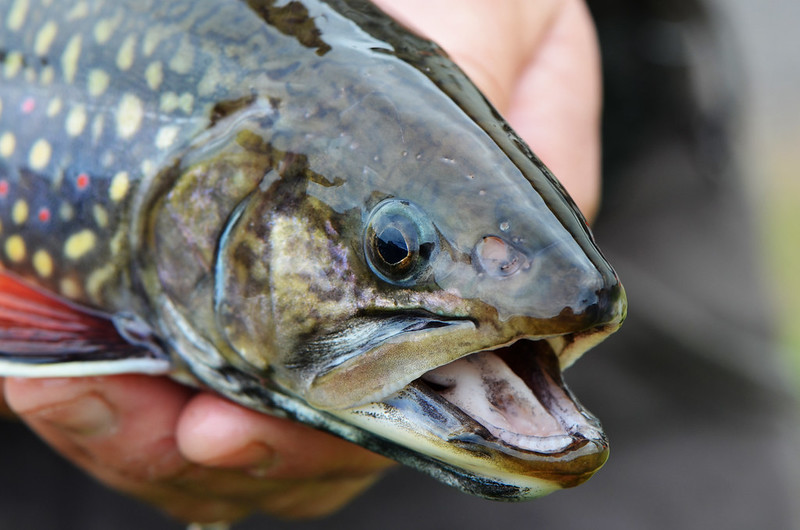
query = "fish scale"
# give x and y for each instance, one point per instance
(87, 117)
(307, 209)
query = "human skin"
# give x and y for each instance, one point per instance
(202, 458)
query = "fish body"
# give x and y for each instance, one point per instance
(307, 209)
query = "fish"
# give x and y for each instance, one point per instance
(308, 209)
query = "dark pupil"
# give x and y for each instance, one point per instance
(392, 246)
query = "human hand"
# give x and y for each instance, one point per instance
(202, 458)
(195, 455)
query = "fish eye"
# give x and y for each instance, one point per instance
(399, 242)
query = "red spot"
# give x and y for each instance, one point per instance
(28, 105)
(44, 215)
(83, 181)
(3, 188)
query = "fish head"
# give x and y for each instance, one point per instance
(425, 280)
(398, 268)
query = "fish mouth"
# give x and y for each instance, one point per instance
(514, 397)
(500, 417)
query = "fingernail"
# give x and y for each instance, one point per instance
(85, 416)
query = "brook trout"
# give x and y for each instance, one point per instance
(309, 210)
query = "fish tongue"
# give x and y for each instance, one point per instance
(485, 387)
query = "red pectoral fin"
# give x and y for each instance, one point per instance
(39, 330)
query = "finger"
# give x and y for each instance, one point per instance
(216, 432)
(556, 106)
(121, 430)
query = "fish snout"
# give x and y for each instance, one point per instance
(609, 305)
(557, 282)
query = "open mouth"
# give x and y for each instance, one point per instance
(515, 397)
(500, 415)
(498, 422)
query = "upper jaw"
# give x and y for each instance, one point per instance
(372, 356)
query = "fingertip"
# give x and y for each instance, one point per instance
(212, 431)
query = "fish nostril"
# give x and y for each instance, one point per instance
(498, 258)
(609, 306)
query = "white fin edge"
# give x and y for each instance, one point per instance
(85, 368)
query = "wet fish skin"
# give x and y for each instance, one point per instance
(205, 170)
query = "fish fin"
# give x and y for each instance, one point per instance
(44, 336)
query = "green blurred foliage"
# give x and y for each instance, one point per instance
(780, 210)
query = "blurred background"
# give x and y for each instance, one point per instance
(766, 38)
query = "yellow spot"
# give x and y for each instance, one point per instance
(43, 263)
(97, 127)
(127, 53)
(97, 82)
(66, 211)
(210, 81)
(79, 244)
(16, 16)
(45, 38)
(13, 64)
(7, 144)
(70, 288)
(166, 136)
(120, 185)
(30, 75)
(107, 158)
(97, 279)
(1, 227)
(129, 116)
(100, 216)
(169, 101)
(19, 213)
(154, 75)
(154, 36)
(148, 168)
(186, 102)
(118, 242)
(76, 120)
(48, 74)
(54, 107)
(80, 10)
(1, 108)
(106, 27)
(40, 154)
(15, 249)
(183, 60)
(70, 58)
